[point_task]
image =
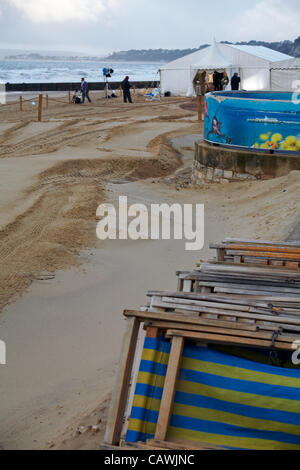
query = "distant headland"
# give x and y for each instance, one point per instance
(291, 48)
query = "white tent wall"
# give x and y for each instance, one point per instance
(175, 81)
(285, 79)
(285, 75)
(255, 79)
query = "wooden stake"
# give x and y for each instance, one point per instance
(121, 388)
(199, 97)
(40, 108)
(169, 389)
(69, 97)
(21, 103)
(47, 101)
(152, 332)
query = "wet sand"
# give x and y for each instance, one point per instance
(63, 291)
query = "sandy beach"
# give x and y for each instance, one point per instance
(62, 291)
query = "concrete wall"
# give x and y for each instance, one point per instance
(219, 164)
(70, 86)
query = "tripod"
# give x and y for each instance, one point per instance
(106, 87)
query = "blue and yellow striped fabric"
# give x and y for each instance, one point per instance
(220, 399)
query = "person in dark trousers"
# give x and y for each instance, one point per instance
(217, 79)
(85, 90)
(235, 82)
(126, 90)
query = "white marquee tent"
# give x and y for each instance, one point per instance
(253, 63)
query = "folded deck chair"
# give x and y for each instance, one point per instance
(154, 96)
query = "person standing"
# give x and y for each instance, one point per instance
(126, 90)
(215, 80)
(235, 82)
(85, 90)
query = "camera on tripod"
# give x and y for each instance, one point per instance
(107, 72)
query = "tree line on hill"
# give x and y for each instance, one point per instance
(291, 48)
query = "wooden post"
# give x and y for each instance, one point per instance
(69, 97)
(220, 255)
(21, 103)
(40, 107)
(169, 388)
(152, 332)
(199, 97)
(121, 92)
(47, 101)
(121, 388)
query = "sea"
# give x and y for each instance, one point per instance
(59, 71)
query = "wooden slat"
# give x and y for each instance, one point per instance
(260, 242)
(120, 391)
(237, 290)
(243, 277)
(223, 339)
(189, 320)
(204, 304)
(258, 248)
(264, 254)
(226, 331)
(229, 313)
(259, 301)
(169, 389)
(260, 287)
(268, 272)
(214, 310)
(152, 332)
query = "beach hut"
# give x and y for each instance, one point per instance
(285, 75)
(253, 63)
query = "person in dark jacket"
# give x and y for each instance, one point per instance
(235, 82)
(217, 79)
(85, 90)
(126, 90)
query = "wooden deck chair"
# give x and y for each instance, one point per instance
(153, 96)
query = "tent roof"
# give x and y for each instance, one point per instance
(185, 62)
(262, 52)
(213, 59)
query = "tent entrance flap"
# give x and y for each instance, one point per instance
(198, 72)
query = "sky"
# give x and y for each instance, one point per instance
(99, 27)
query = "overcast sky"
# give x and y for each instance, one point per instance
(101, 26)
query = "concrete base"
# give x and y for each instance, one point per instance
(221, 165)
